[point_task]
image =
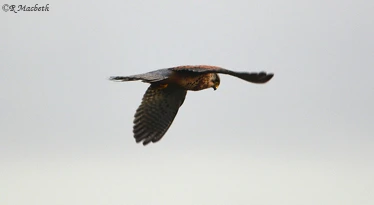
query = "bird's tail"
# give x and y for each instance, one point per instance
(125, 78)
(150, 77)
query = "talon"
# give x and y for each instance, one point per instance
(162, 86)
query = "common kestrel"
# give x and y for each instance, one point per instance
(168, 89)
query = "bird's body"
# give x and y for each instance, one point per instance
(167, 92)
(192, 82)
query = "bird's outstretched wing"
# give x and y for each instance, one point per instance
(254, 77)
(157, 111)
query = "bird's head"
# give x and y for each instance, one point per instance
(214, 81)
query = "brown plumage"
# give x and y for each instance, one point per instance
(168, 89)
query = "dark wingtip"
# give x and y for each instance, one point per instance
(270, 76)
(265, 77)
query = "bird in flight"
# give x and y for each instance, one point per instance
(167, 91)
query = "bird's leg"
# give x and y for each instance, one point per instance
(162, 86)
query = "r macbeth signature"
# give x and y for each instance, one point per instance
(18, 8)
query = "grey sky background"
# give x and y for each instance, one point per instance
(306, 137)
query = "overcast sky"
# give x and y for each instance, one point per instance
(306, 137)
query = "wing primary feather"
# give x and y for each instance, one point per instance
(157, 112)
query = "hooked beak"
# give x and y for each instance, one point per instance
(215, 86)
